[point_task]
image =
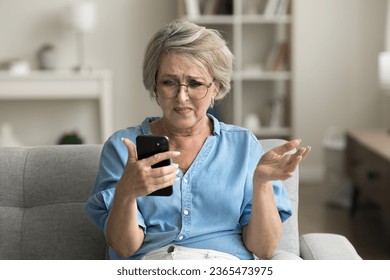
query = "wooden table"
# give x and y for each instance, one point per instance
(368, 166)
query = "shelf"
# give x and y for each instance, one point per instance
(243, 19)
(260, 43)
(260, 75)
(260, 19)
(212, 19)
(51, 85)
(63, 85)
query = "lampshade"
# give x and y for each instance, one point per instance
(83, 16)
(384, 69)
(384, 57)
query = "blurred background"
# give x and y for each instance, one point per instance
(332, 80)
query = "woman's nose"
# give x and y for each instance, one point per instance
(183, 92)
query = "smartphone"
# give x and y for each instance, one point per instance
(149, 145)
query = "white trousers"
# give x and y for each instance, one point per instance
(175, 252)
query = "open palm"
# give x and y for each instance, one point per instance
(280, 162)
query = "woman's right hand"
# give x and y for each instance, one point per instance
(140, 179)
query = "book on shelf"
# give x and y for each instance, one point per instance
(192, 8)
(181, 9)
(283, 7)
(225, 7)
(277, 59)
(211, 7)
(272, 57)
(271, 7)
(195, 8)
(282, 58)
(276, 114)
(276, 7)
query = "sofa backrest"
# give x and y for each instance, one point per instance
(42, 195)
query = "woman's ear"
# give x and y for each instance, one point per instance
(216, 88)
(156, 98)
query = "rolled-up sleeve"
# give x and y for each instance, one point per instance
(112, 161)
(282, 200)
(96, 207)
(281, 196)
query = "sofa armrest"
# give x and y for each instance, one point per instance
(326, 246)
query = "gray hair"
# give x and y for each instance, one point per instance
(201, 44)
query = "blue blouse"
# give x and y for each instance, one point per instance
(210, 203)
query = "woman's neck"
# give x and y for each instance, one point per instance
(201, 129)
(188, 141)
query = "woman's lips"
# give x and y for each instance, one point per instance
(182, 110)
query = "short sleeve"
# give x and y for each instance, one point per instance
(112, 161)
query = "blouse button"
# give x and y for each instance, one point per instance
(185, 180)
(186, 212)
(181, 237)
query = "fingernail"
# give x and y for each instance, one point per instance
(176, 165)
(175, 154)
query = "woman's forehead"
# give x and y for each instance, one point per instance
(179, 63)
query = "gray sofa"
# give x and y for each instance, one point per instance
(43, 190)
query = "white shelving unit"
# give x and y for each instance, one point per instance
(256, 90)
(63, 86)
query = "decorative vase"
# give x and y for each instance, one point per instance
(47, 57)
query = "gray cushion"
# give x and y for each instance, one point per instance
(10, 232)
(327, 246)
(12, 163)
(42, 194)
(60, 231)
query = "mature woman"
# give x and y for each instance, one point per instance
(227, 201)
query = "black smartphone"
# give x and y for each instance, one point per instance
(149, 145)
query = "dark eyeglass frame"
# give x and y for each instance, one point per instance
(187, 85)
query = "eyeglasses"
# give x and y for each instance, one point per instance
(195, 90)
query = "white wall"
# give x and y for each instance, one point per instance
(335, 71)
(123, 29)
(336, 43)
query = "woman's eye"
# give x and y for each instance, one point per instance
(195, 84)
(169, 83)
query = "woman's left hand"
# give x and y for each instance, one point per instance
(278, 164)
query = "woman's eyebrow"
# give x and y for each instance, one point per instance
(167, 75)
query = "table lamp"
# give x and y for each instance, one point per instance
(384, 59)
(384, 70)
(83, 20)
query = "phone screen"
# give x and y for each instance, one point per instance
(149, 145)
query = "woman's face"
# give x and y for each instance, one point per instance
(181, 111)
